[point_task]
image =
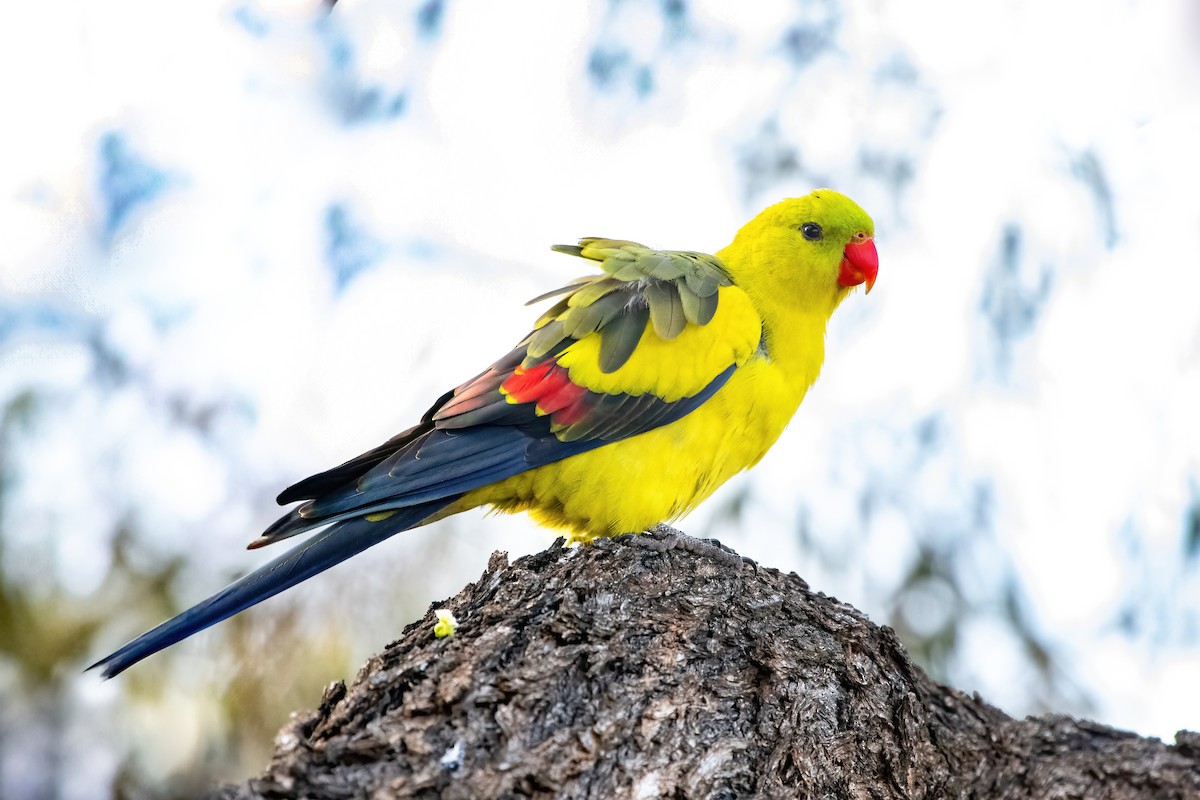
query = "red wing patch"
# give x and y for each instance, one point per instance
(524, 384)
(550, 387)
(508, 394)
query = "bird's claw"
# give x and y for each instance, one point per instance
(663, 538)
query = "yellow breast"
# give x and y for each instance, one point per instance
(631, 485)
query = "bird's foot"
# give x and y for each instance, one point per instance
(662, 538)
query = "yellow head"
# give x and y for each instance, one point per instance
(811, 250)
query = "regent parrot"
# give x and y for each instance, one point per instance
(637, 394)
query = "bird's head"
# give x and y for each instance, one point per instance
(814, 248)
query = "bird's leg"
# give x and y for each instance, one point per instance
(662, 537)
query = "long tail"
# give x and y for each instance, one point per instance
(330, 547)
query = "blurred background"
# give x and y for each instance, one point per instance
(243, 241)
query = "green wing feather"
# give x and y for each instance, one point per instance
(666, 288)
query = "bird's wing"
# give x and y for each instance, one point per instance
(623, 352)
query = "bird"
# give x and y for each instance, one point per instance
(643, 388)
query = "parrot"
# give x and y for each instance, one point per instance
(646, 385)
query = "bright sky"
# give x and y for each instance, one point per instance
(219, 284)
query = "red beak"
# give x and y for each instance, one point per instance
(860, 264)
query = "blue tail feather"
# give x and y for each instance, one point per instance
(322, 551)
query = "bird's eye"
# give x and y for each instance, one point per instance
(811, 231)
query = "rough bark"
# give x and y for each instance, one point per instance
(623, 669)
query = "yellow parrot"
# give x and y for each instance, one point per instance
(643, 389)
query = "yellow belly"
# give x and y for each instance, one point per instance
(631, 485)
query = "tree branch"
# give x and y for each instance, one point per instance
(623, 669)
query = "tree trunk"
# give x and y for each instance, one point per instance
(652, 667)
